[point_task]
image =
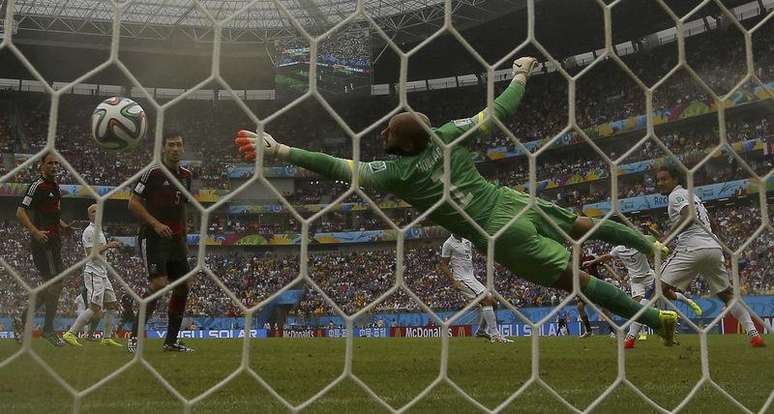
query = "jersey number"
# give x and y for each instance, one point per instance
(460, 197)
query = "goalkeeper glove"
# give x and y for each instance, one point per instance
(522, 67)
(247, 140)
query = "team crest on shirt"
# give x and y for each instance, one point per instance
(679, 199)
(377, 166)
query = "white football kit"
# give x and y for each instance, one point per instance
(95, 276)
(460, 255)
(641, 276)
(697, 251)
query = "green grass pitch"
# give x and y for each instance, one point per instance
(397, 369)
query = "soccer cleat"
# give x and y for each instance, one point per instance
(176, 347)
(612, 335)
(71, 339)
(668, 327)
(660, 248)
(629, 342)
(110, 342)
(643, 336)
(586, 334)
(131, 345)
(53, 339)
(500, 339)
(483, 334)
(695, 307)
(757, 341)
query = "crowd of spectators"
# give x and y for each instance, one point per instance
(355, 278)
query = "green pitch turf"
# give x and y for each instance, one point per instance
(397, 369)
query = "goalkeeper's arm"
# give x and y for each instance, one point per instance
(505, 105)
(323, 164)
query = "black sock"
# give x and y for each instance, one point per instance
(149, 309)
(176, 310)
(173, 328)
(51, 302)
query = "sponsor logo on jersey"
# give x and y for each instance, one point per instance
(460, 123)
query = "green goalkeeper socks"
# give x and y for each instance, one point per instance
(617, 233)
(617, 301)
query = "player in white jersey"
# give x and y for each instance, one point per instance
(457, 264)
(641, 282)
(697, 251)
(99, 290)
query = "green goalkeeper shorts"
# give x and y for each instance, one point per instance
(531, 247)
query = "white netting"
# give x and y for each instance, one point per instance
(400, 284)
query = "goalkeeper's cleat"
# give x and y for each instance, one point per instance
(131, 345)
(176, 347)
(695, 307)
(71, 339)
(668, 327)
(629, 342)
(110, 342)
(658, 247)
(757, 341)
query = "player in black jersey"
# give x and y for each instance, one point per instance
(160, 206)
(40, 213)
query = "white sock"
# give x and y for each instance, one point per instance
(107, 321)
(634, 328)
(481, 322)
(741, 314)
(491, 320)
(82, 320)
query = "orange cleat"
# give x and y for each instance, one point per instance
(629, 343)
(757, 341)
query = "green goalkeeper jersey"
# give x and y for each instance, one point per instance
(418, 179)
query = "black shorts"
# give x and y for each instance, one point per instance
(164, 257)
(48, 257)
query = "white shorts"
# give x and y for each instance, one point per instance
(98, 289)
(641, 286)
(682, 267)
(470, 286)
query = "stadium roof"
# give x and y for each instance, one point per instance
(253, 21)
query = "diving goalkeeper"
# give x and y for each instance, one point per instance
(530, 247)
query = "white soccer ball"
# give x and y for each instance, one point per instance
(118, 123)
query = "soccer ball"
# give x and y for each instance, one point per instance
(118, 123)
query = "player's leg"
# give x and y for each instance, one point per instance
(677, 273)
(111, 310)
(545, 261)
(95, 292)
(155, 261)
(49, 263)
(616, 234)
(176, 309)
(580, 305)
(713, 269)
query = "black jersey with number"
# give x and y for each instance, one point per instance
(43, 200)
(163, 199)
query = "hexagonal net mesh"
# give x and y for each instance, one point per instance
(448, 196)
